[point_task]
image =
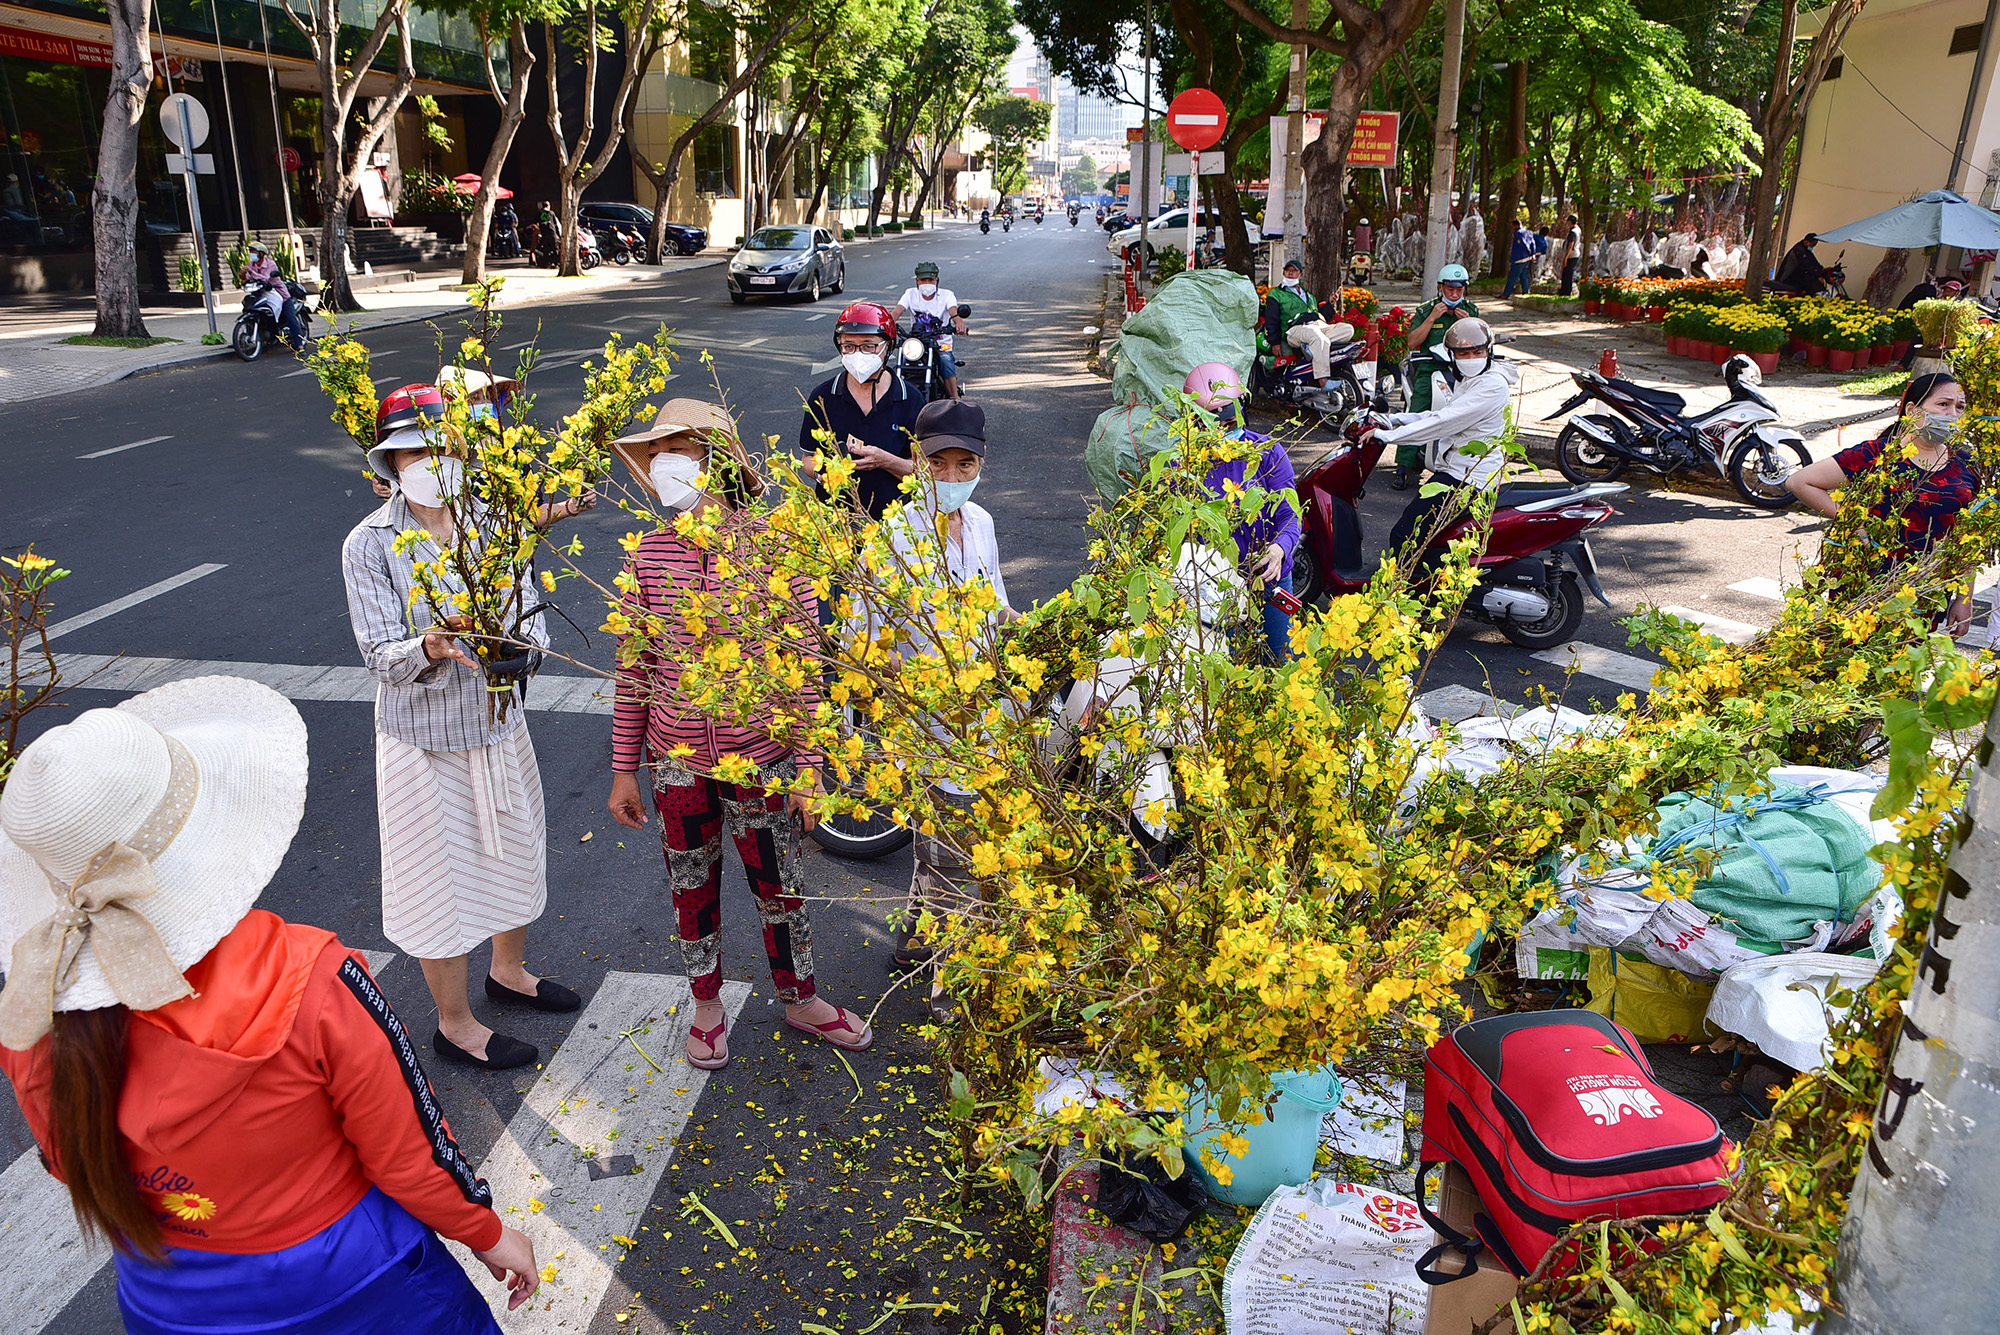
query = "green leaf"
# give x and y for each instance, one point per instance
(1910, 735)
(1619, 1295)
(961, 1103)
(1095, 1009)
(1726, 1235)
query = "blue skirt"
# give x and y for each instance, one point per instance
(374, 1270)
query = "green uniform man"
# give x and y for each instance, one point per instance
(1432, 321)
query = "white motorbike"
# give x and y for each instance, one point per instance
(262, 321)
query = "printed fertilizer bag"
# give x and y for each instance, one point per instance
(1328, 1258)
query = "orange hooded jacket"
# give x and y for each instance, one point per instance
(261, 1109)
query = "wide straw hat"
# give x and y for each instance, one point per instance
(476, 386)
(676, 417)
(133, 839)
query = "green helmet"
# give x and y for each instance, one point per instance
(926, 269)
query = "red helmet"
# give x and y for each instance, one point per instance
(412, 405)
(866, 317)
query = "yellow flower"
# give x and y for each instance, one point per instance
(187, 1205)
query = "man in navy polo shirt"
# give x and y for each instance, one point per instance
(866, 408)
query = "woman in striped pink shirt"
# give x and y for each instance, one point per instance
(652, 722)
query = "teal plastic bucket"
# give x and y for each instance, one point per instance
(1281, 1147)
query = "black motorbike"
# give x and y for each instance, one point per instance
(260, 325)
(985, 223)
(506, 237)
(917, 360)
(619, 242)
(547, 256)
(1740, 438)
(1072, 217)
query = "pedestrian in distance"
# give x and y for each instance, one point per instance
(1926, 492)
(692, 461)
(1521, 261)
(1572, 256)
(458, 789)
(228, 1097)
(865, 409)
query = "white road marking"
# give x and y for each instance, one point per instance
(1635, 673)
(751, 344)
(117, 605)
(1760, 587)
(289, 374)
(524, 343)
(821, 316)
(49, 1261)
(120, 449)
(1722, 628)
(599, 1098)
(380, 379)
(685, 300)
(298, 681)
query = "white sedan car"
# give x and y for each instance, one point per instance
(1173, 224)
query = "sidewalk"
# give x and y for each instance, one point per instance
(34, 362)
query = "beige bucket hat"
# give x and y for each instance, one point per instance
(674, 418)
(475, 386)
(133, 839)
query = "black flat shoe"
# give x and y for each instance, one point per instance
(547, 996)
(1401, 482)
(502, 1053)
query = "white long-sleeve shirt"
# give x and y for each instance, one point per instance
(1473, 412)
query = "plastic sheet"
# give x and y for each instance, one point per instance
(1328, 1258)
(1135, 1193)
(1779, 1003)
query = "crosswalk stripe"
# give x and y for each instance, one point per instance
(1722, 628)
(299, 681)
(599, 1101)
(1760, 587)
(48, 1259)
(117, 605)
(1624, 669)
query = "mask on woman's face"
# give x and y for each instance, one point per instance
(428, 481)
(673, 476)
(1937, 427)
(862, 366)
(926, 290)
(952, 496)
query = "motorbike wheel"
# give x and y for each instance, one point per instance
(849, 836)
(1581, 458)
(247, 338)
(624, 255)
(1305, 575)
(590, 259)
(1557, 625)
(1758, 469)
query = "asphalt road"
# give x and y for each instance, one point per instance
(244, 470)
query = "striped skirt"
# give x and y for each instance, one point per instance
(464, 843)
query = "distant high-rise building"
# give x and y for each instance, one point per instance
(1086, 116)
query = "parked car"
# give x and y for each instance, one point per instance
(683, 237)
(790, 260)
(1173, 224)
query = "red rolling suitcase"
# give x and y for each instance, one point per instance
(1557, 1118)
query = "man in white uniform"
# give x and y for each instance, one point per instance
(939, 306)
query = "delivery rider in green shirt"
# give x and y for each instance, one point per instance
(1432, 321)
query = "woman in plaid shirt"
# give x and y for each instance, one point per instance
(653, 722)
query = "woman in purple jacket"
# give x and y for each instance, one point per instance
(1266, 541)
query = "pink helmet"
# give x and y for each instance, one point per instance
(1214, 385)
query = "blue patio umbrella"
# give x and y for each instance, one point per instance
(1938, 218)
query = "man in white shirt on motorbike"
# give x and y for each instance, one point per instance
(1462, 432)
(940, 306)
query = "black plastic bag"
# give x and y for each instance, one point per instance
(1134, 1192)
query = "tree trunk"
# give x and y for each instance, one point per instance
(513, 110)
(1920, 1220)
(114, 198)
(1515, 184)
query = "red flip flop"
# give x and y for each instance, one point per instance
(718, 1048)
(845, 1030)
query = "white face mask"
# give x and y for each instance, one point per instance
(926, 290)
(428, 481)
(673, 477)
(1471, 365)
(862, 365)
(1292, 283)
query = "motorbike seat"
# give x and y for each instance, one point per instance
(1525, 493)
(1663, 399)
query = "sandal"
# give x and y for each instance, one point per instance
(716, 1042)
(845, 1030)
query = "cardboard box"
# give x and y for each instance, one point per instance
(1457, 1308)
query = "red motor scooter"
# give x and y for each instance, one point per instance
(1535, 549)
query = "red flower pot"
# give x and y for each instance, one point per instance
(1899, 349)
(1720, 353)
(1590, 305)
(1794, 346)
(1699, 350)
(1767, 362)
(1655, 314)
(1880, 355)
(1634, 312)
(1815, 355)
(1840, 359)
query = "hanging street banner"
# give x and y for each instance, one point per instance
(1374, 140)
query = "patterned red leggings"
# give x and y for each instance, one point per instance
(692, 819)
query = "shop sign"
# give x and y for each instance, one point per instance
(1374, 140)
(28, 45)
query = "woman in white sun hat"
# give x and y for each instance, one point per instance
(228, 1096)
(458, 789)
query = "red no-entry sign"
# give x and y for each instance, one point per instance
(1195, 119)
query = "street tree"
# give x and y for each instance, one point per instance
(341, 69)
(1081, 179)
(1013, 122)
(1795, 78)
(114, 197)
(594, 27)
(502, 23)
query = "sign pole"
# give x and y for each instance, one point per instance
(194, 209)
(1145, 191)
(1194, 196)
(1292, 245)
(1446, 149)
